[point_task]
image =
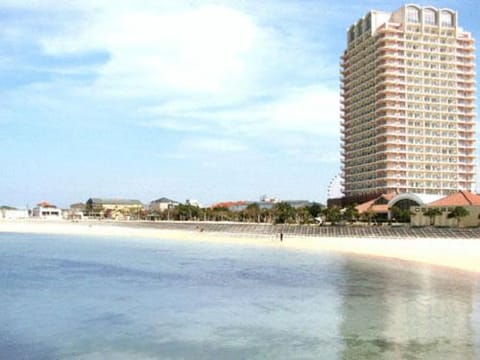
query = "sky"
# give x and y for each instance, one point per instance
(206, 100)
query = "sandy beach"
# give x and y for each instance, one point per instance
(461, 254)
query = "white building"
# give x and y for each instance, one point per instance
(13, 214)
(193, 202)
(44, 210)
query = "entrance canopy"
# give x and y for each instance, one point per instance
(406, 200)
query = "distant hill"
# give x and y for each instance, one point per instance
(5, 207)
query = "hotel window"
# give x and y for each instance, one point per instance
(446, 19)
(429, 17)
(413, 15)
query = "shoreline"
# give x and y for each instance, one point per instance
(459, 254)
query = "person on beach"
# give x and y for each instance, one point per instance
(281, 237)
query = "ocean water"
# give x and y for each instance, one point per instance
(109, 298)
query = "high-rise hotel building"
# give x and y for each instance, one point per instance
(408, 104)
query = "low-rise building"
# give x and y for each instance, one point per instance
(377, 207)
(118, 209)
(10, 213)
(162, 204)
(193, 202)
(45, 210)
(297, 204)
(269, 199)
(231, 205)
(76, 212)
(421, 216)
(382, 207)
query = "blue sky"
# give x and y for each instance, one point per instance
(210, 100)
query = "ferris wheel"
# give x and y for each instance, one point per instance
(335, 188)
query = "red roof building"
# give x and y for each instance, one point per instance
(465, 199)
(378, 205)
(461, 198)
(45, 204)
(228, 204)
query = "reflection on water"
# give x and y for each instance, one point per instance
(396, 311)
(88, 298)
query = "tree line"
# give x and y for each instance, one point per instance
(280, 213)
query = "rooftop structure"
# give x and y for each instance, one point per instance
(231, 205)
(78, 206)
(163, 204)
(114, 202)
(162, 200)
(45, 210)
(192, 202)
(378, 205)
(45, 204)
(408, 95)
(461, 198)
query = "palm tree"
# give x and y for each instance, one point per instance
(222, 213)
(432, 213)
(401, 215)
(351, 213)
(303, 216)
(458, 213)
(332, 214)
(267, 215)
(369, 215)
(284, 213)
(315, 210)
(252, 212)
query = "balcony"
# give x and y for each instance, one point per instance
(391, 115)
(466, 155)
(391, 134)
(466, 129)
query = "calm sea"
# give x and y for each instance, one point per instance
(108, 298)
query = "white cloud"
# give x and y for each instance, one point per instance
(310, 110)
(206, 65)
(303, 125)
(185, 51)
(198, 147)
(218, 84)
(313, 110)
(205, 70)
(213, 144)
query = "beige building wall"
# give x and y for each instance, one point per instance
(121, 211)
(162, 206)
(408, 104)
(121, 207)
(419, 219)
